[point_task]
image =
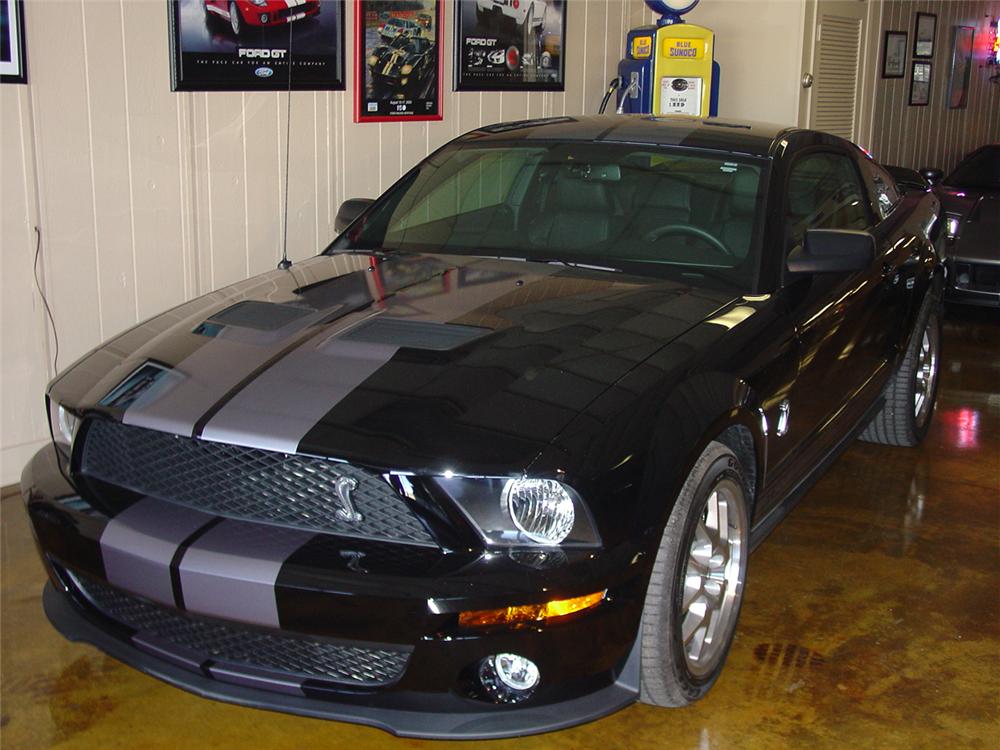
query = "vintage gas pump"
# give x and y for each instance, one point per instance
(668, 68)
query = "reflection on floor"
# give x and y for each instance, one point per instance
(872, 619)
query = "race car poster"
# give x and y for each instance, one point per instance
(12, 68)
(255, 45)
(398, 64)
(510, 45)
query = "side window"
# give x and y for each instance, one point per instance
(824, 192)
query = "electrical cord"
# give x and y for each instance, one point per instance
(45, 301)
(284, 264)
(613, 85)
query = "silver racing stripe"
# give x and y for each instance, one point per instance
(138, 545)
(230, 571)
(277, 409)
(280, 407)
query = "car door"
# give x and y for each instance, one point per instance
(838, 317)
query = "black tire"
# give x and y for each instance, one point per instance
(669, 674)
(901, 421)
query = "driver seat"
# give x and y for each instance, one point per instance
(580, 214)
(665, 201)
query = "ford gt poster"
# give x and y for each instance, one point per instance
(510, 45)
(247, 45)
(398, 60)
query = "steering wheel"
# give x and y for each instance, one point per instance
(654, 234)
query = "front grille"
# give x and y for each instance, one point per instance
(977, 277)
(246, 483)
(231, 643)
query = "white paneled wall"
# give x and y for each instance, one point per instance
(935, 135)
(145, 198)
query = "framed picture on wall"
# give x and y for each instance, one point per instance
(923, 35)
(894, 55)
(398, 64)
(510, 46)
(255, 45)
(961, 67)
(12, 60)
(920, 84)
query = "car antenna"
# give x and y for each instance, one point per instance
(284, 264)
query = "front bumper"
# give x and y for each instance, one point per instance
(587, 661)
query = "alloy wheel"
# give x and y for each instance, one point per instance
(713, 578)
(926, 372)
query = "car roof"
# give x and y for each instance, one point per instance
(738, 136)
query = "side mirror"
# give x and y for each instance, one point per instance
(350, 209)
(932, 174)
(832, 251)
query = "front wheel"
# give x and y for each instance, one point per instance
(905, 416)
(235, 19)
(696, 588)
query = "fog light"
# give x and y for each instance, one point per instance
(963, 279)
(264, 18)
(951, 227)
(508, 678)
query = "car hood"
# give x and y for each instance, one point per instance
(417, 362)
(978, 231)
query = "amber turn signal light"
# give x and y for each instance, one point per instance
(529, 612)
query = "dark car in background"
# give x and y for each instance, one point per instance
(970, 197)
(494, 462)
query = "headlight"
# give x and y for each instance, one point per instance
(373, 60)
(541, 508)
(406, 70)
(521, 512)
(259, 3)
(951, 227)
(403, 81)
(63, 423)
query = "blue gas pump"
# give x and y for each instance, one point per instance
(668, 68)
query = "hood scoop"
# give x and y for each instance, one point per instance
(414, 334)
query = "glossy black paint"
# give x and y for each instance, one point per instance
(612, 383)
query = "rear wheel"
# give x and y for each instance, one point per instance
(696, 588)
(910, 397)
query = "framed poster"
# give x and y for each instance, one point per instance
(510, 46)
(398, 64)
(961, 67)
(894, 55)
(920, 84)
(923, 36)
(255, 45)
(12, 60)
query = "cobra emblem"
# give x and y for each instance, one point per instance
(346, 512)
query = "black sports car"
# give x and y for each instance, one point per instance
(493, 463)
(405, 62)
(970, 196)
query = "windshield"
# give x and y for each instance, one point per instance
(980, 171)
(634, 208)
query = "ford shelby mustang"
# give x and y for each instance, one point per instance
(493, 462)
(260, 13)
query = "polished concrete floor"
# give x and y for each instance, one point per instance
(872, 620)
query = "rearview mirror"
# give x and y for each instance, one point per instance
(832, 251)
(932, 174)
(350, 209)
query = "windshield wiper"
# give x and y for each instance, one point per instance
(552, 262)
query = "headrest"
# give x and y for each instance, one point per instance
(743, 201)
(575, 194)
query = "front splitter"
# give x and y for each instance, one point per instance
(75, 626)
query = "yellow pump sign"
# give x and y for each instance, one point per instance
(682, 70)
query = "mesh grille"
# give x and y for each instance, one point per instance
(231, 643)
(246, 483)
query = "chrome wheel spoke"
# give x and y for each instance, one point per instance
(713, 577)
